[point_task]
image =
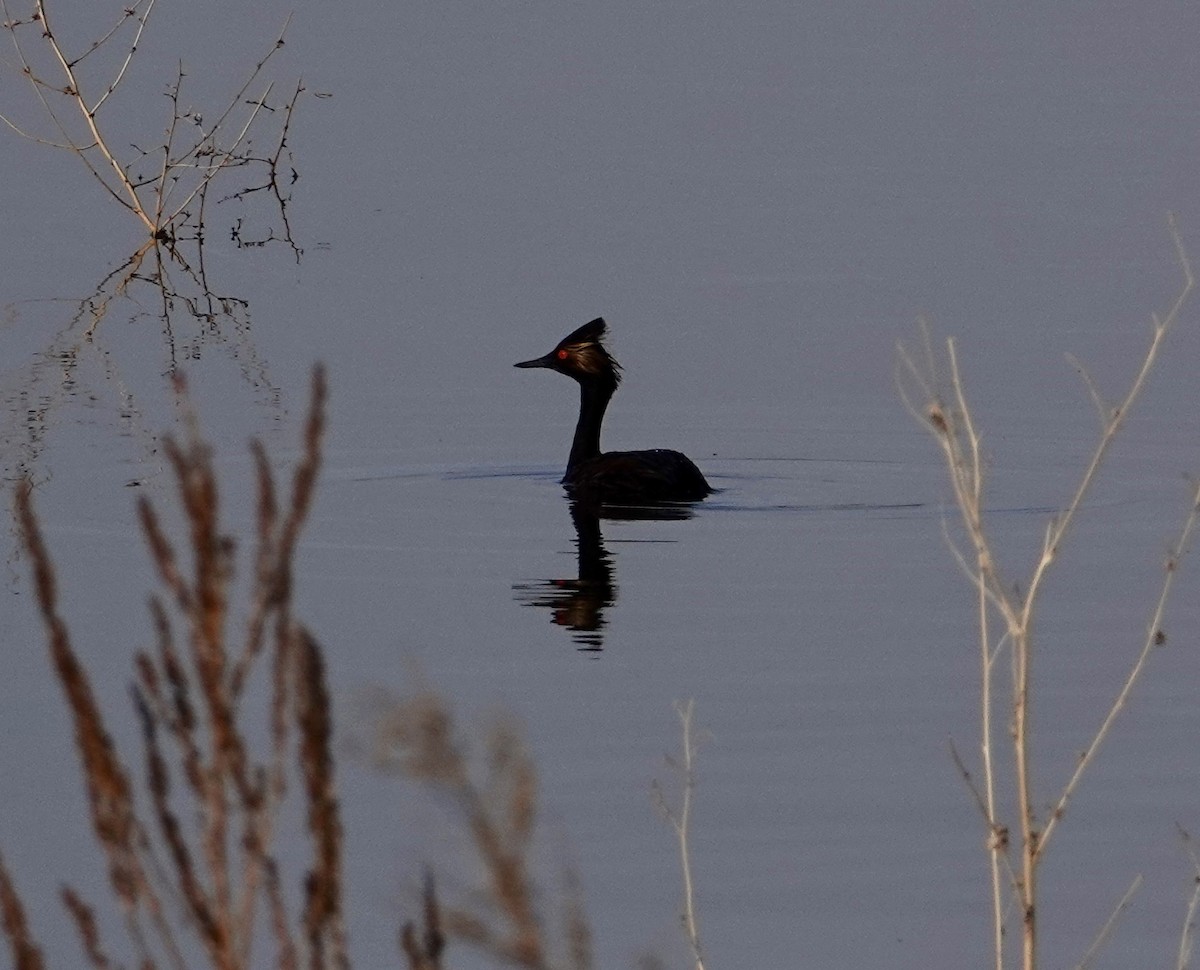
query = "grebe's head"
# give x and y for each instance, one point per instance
(582, 355)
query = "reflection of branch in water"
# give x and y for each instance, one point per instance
(186, 303)
(70, 367)
(579, 603)
(160, 284)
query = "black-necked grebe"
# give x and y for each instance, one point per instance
(617, 477)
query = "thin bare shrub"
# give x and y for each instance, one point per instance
(236, 153)
(933, 389)
(190, 852)
(416, 738)
(163, 187)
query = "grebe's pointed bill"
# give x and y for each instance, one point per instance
(547, 361)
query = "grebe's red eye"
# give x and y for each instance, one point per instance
(562, 355)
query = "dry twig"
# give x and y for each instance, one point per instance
(681, 822)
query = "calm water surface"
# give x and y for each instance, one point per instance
(760, 200)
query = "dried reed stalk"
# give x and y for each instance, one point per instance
(196, 865)
(24, 951)
(424, 950)
(416, 738)
(85, 926)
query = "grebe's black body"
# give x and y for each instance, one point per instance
(614, 477)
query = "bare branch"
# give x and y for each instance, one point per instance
(1154, 637)
(1110, 924)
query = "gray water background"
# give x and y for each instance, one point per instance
(761, 200)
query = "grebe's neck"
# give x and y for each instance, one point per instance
(593, 400)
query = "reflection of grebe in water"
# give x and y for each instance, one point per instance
(614, 477)
(579, 604)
